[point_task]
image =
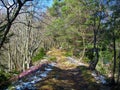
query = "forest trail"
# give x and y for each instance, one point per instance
(58, 76)
(72, 76)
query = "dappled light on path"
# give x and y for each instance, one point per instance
(53, 77)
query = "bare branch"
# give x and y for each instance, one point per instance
(4, 4)
(26, 24)
(19, 2)
(11, 19)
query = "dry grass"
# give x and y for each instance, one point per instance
(61, 59)
(57, 53)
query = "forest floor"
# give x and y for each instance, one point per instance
(67, 73)
(64, 75)
(69, 76)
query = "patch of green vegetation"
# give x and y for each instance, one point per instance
(69, 53)
(39, 55)
(101, 69)
(11, 88)
(86, 59)
(14, 72)
(52, 58)
(3, 78)
(104, 65)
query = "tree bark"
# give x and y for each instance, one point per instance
(94, 62)
(118, 77)
(114, 61)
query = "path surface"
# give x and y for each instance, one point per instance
(69, 75)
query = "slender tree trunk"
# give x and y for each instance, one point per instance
(114, 61)
(94, 62)
(23, 64)
(9, 62)
(83, 53)
(118, 78)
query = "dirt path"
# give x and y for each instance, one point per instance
(66, 75)
(69, 77)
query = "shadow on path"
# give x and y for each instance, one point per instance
(79, 78)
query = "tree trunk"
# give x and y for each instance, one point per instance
(94, 62)
(114, 61)
(118, 78)
(83, 53)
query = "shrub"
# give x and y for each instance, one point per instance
(4, 77)
(39, 55)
